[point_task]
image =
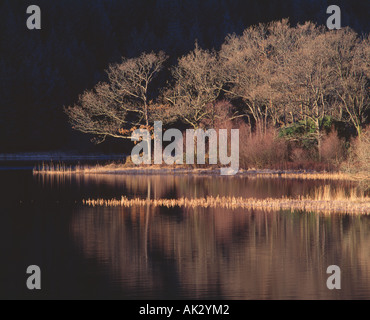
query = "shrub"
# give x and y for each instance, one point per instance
(261, 149)
(299, 155)
(333, 149)
(359, 158)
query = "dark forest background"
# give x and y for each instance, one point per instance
(43, 70)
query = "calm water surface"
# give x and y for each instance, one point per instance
(146, 253)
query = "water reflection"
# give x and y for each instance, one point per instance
(217, 253)
(164, 253)
(167, 186)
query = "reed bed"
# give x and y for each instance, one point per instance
(363, 177)
(57, 169)
(345, 206)
(308, 175)
(62, 169)
(328, 193)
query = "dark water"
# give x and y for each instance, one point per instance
(142, 253)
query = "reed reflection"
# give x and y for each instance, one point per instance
(191, 186)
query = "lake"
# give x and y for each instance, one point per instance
(182, 253)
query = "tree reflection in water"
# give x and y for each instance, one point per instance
(218, 253)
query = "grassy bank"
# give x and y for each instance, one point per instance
(61, 169)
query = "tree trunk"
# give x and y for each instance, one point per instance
(146, 115)
(359, 130)
(318, 137)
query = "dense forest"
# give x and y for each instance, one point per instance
(41, 71)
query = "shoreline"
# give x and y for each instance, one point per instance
(56, 156)
(160, 170)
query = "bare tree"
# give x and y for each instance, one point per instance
(351, 63)
(243, 63)
(327, 78)
(307, 73)
(197, 85)
(113, 108)
(252, 65)
(308, 82)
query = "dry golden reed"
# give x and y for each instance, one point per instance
(61, 169)
(346, 206)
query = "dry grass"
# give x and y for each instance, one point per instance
(122, 169)
(324, 203)
(61, 169)
(308, 176)
(326, 193)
